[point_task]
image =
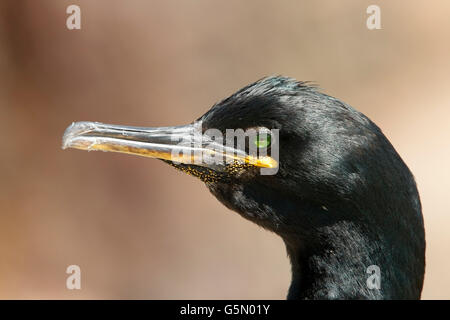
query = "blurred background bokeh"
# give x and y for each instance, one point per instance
(137, 227)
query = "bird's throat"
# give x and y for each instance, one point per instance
(334, 265)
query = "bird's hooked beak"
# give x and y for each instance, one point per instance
(181, 144)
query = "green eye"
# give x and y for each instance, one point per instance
(263, 140)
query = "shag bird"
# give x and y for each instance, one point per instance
(339, 195)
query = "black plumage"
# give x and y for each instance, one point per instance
(342, 199)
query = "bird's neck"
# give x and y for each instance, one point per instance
(332, 253)
(335, 266)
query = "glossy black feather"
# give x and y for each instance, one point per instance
(342, 199)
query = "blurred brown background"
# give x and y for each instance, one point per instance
(135, 226)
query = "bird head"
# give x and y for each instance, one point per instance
(269, 148)
(299, 163)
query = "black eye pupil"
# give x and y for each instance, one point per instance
(263, 141)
